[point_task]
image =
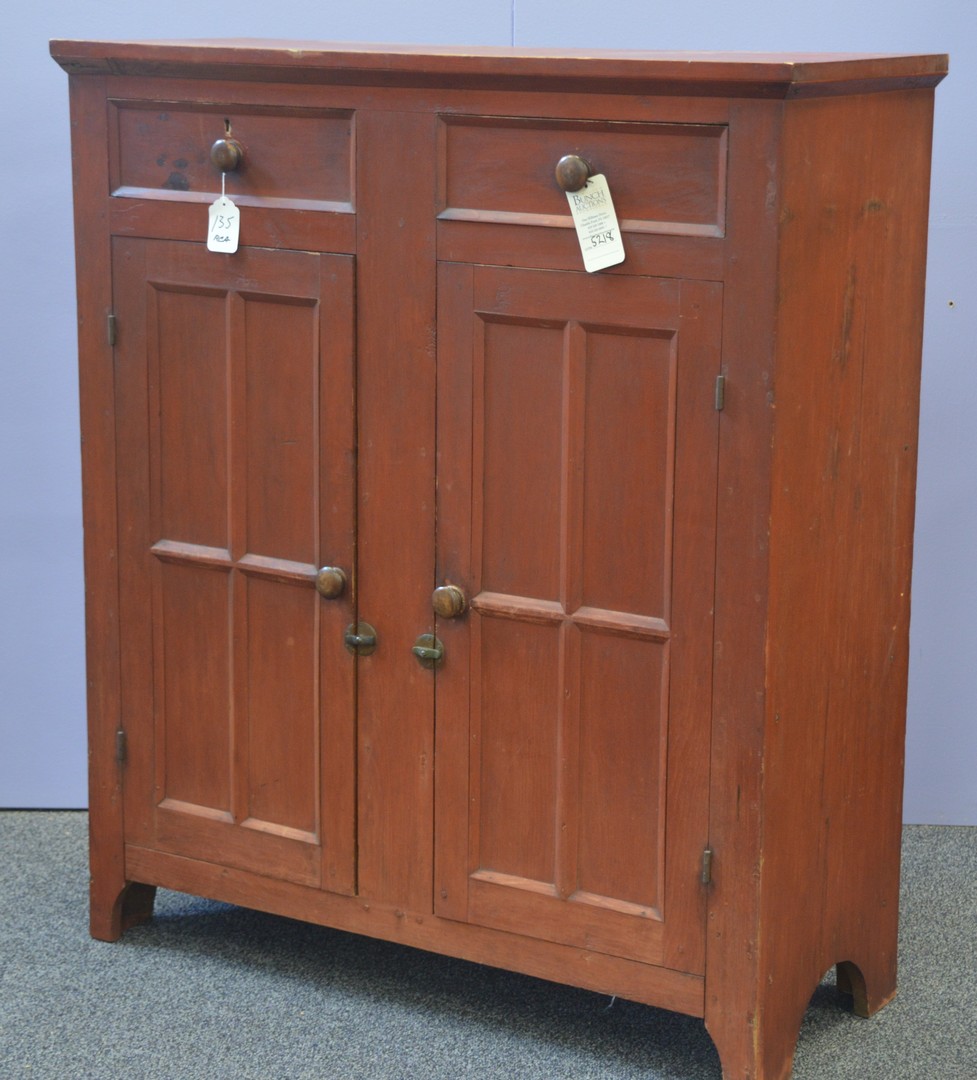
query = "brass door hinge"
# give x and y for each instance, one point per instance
(707, 866)
(121, 747)
(110, 328)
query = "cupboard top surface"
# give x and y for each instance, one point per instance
(770, 75)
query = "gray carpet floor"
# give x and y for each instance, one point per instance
(207, 991)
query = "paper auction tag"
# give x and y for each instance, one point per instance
(596, 223)
(224, 226)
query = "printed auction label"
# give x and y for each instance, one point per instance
(596, 222)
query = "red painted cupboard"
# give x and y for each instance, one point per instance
(441, 591)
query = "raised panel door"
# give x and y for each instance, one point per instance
(577, 465)
(236, 439)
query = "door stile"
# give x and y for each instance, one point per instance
(567, 823)
(472, 766)
(336, 495)
(157, 702)
(142, 774)
(691, 688)
(455, 699)
(475, 413)
(572, 494)
(237, 529)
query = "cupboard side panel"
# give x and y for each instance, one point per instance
(97, 406)
(853, 244)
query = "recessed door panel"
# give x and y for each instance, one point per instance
(282, 371)
(189, 435)
(514, 722)
(192, 685)
(628, 470)
(236, 446)
(620, 816)
(519, 407)
(577, 456)
(281, 766)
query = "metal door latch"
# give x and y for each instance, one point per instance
(360, 638)
(429, 651)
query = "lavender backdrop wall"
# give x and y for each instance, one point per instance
(42, 682)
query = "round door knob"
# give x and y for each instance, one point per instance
(330, 582)
(227, 154)
(572, 172)
(448, 601)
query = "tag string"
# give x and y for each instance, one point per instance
(223, 175)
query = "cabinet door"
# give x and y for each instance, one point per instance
(577, 465)
(234, 385)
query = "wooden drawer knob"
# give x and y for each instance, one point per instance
(330, 582)
(227, 154)
(448, 601)
(572, 172)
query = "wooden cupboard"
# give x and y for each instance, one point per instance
(441, 591)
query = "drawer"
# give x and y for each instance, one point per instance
(664, 177)
(299, 158)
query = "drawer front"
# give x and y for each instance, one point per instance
(292, 157)
(664, 177)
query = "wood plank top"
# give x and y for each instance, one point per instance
(765, 75)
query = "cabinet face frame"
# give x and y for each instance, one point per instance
(768, 940)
